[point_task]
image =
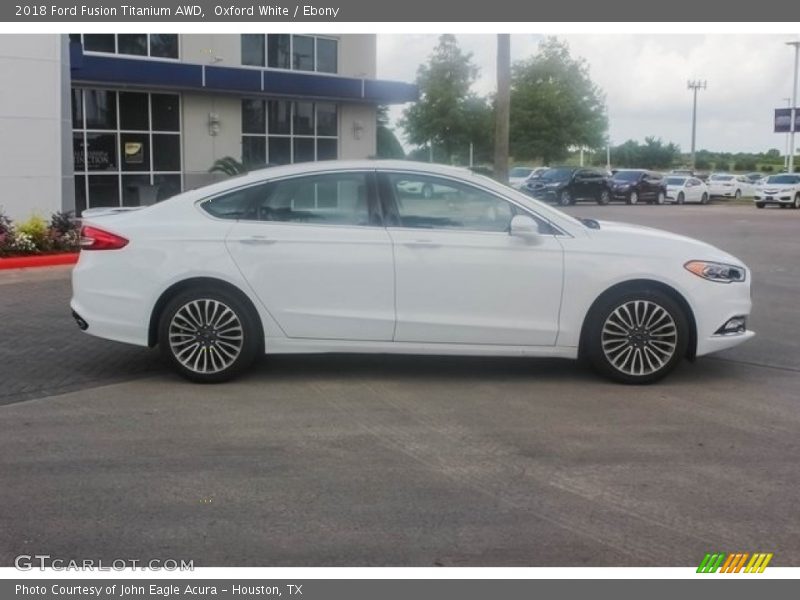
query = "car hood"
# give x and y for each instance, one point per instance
(647, 241)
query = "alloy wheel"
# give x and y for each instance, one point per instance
(639, 338)
(205, 336)
(633, 198)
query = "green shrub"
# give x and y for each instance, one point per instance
(37, 231)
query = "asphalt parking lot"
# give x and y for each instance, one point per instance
(395, 461)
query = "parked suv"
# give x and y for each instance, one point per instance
(566, 185)
(635, 185)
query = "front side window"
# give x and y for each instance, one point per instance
(431, 203)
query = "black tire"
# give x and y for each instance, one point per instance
(681, 198)
(796, 203)
(704, 198)
(427, 191)
(604, 198)
(760, 205)
(565, 198)
(633, 197)
(661, 197)
(737, 194)
(209, 342)
(651, 343)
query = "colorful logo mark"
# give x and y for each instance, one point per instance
(735, 562)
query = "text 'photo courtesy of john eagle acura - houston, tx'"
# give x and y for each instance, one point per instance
(398, 257)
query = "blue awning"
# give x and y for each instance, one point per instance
(110, 69)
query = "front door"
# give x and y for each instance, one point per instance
(460, 277)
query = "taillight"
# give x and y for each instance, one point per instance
(93, 238)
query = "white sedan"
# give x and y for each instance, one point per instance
(338, 257)
(728, 185)
(682, 189)
(783, 190)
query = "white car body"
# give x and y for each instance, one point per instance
(686, 188)
(782, 189)
(729, 185)
(518, 176)
(395, 289)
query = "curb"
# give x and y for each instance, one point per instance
(46, 260)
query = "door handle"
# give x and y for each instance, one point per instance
(422, 244)
(256, 240)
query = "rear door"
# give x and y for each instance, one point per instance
(314, 250)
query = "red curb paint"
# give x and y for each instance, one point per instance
(38, 260)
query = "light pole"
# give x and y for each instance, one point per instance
(694, 85)
(794, 104)
(786, 151)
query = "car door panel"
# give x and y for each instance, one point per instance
(466, 286)
(318, 280)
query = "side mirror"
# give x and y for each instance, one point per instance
(525, 227)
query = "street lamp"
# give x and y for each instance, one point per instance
(694, 85)
(794, 104)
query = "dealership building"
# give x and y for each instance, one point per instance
(91, 120)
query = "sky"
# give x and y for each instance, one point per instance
(644, 79)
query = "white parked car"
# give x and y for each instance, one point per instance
(517, 176)
(728, 185)
(682, 189)
(338, 257)
(783, 189)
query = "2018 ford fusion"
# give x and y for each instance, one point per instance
(342, 257)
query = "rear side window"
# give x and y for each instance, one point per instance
(334, 199)
(233, 205)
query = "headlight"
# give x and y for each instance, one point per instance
(714, 271)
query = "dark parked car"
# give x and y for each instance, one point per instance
(566, 185)
(638, 185)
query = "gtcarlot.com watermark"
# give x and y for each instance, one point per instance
(42, 562)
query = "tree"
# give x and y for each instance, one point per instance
(554, 105)
(446, 110)
(653, 154)
(387, 144)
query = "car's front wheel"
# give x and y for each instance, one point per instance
(760, 205)
(603, 198)
(796, 203)
(704, 198)
(636, 337)
(633, 197)
(208, 335)
(565, 198)
(660, 198)
(681, 198)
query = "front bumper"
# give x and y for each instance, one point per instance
(776, 198)
(720, 302)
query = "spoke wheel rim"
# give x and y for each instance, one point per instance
(634, 197)
(206, 336)
(639, 338)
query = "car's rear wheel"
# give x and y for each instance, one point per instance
(660, 198)
(208, 335)
(681, 198)
(636, 337)
(565, 198)
(604, 198)
(633, 197)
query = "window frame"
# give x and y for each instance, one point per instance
(390, 209)
(119, 132)
(291, 68)
(292, 136)
(136, 56)
(374, 208)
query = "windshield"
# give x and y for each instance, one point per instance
(556, 174)
(627, 175)
(520, 172)
(721, 177)
(784, 179)
(676, 180)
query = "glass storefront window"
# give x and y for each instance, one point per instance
(127, 161)
(285, 51)
(155, 45)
